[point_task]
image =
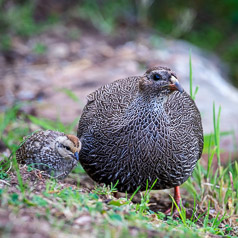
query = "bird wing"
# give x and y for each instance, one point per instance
(107, 101)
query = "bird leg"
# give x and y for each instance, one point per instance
(178, 200)
(38, 174)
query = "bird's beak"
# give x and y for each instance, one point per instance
(76, 154)
(175, 85)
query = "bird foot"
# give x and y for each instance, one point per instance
(173, 211)
(38, 174)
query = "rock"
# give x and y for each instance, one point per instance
(83, 220)
(59, 50)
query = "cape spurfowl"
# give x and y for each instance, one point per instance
(141, 129)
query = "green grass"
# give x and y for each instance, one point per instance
(192, 94)
(79, 209)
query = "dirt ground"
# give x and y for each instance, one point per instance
(24, 222)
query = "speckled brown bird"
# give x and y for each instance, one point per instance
(50, 151)
(140, 129)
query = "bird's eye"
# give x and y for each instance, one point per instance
(156, 77)
(67, 147)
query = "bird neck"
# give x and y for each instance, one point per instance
(144, 104)
(145, 109)
(152, 99)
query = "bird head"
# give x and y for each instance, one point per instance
(68, 146)
(159, 80)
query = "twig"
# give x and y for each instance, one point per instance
(3, 181)
(231, 179)
(210, 184)
(213, 200)
(9, 167)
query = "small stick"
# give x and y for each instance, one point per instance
(3, 181)
(231, 178)
(9, 167)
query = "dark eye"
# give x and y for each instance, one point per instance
(156, 77)
(67, 147)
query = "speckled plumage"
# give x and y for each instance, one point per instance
(50, 151)
(138, 129)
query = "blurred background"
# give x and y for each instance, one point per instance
(55, 52)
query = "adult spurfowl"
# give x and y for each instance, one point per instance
(141, 129)
(51, 151)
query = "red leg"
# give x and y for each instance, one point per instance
(177, 199)
(38, 174)
(177, 196)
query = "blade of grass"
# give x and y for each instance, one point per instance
(209, 164)
(7, 117)
(191, 189)
(194, 207)
(216, 124)
(40, 122)
(193, 95)
(190, 75)
(138, 188)
(69, 93)
(19, 177)
(206, 219)
(182, 211)
(195, 92)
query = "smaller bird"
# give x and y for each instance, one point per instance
(51, 151)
